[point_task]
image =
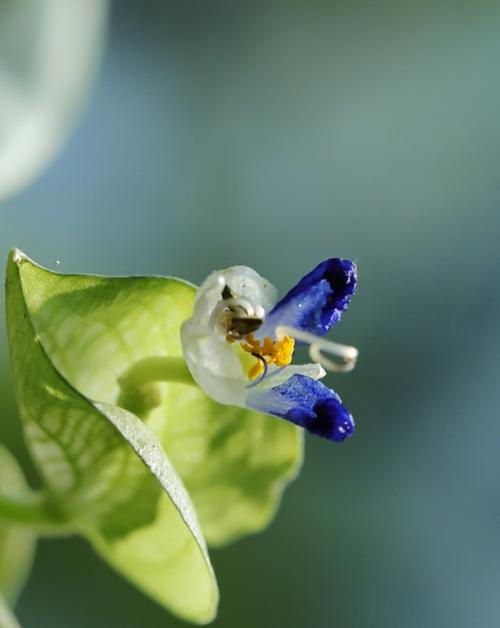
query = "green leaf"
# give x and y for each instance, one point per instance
(17, 543)
(7, 619)
(103, 468)
(234, 463)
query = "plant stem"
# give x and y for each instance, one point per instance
(28, 510)
(156, 369)
(139, 391)
(35, 511)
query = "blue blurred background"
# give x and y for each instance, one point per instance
(277, 134)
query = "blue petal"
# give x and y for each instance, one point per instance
(317, 301)
(307, 403)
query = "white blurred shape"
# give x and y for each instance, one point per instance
(49, 50)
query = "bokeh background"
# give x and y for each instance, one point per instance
(276, 134)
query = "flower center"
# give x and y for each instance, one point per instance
(278, 352)
(235, 317)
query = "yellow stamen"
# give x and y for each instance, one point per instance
(277, 352)
(284, 351)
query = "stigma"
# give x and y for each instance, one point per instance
(317, 345)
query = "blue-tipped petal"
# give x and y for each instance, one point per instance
(317, 301)
(307, 403)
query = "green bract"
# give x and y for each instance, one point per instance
(133, 455)
(7, 619)
(17, 542)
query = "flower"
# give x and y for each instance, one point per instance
(132, 452)
(239, 344)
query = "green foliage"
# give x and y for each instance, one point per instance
(119, 431)
(91, 457)
(17, 542)
(7, 619)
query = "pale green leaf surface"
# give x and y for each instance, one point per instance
(7, 619)
(234, 463)
(104, 471)
(17, 543)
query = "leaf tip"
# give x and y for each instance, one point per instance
(17, 256)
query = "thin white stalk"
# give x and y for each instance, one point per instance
(348, 354)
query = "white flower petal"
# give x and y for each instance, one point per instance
(213, 363)
(243, 281)
(277, 375)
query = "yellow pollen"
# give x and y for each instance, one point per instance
(277, 352)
